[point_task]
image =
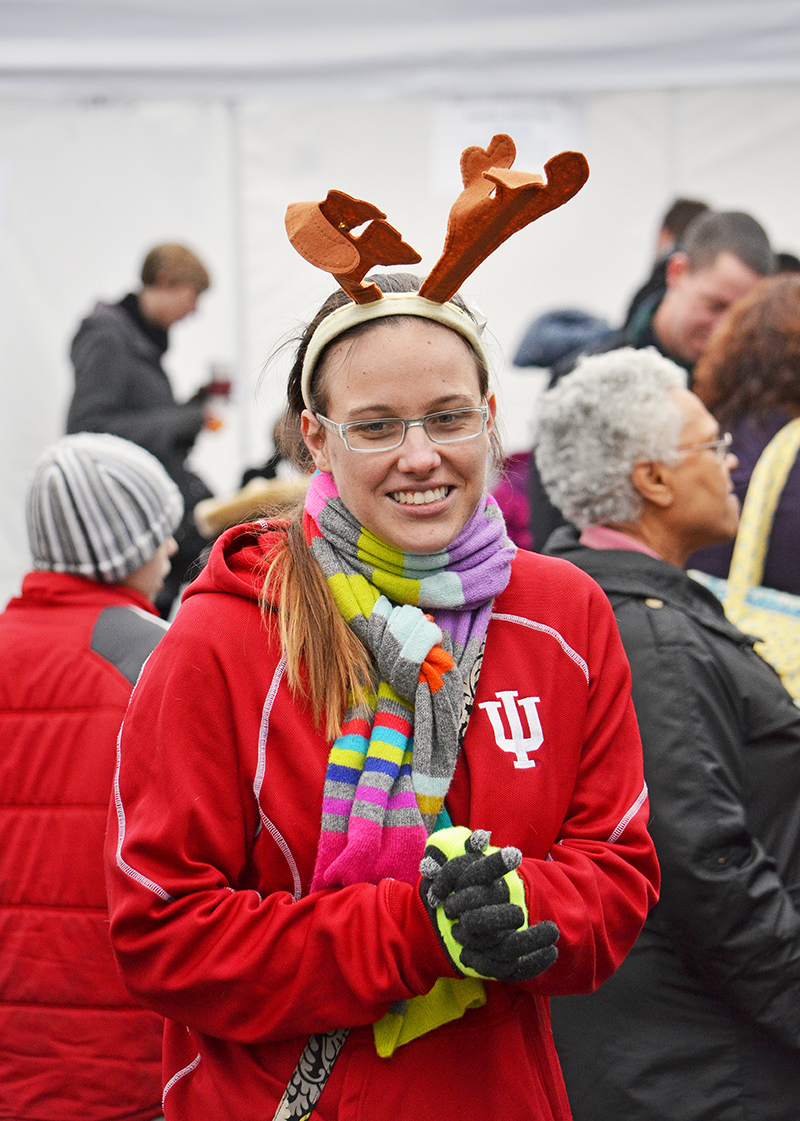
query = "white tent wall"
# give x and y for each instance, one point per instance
(87, 186)
(85, 189)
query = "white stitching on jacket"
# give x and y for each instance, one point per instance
(579, 661)
(122, 864)
(258, 780)
(179, 1075)
(632, 812)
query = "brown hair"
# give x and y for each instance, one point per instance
(752, 363)
(325, 662)
(731, 231)
(172, 264)
(680, 214)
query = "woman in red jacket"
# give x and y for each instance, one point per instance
(380, 789)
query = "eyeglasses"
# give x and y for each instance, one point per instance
(383, 434)
(721, 446)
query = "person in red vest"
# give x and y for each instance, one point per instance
(74, 1045)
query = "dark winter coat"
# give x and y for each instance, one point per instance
(122, 388)
(702, 1020)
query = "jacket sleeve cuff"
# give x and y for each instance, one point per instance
(428, 958)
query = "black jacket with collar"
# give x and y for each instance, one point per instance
(702, 1020)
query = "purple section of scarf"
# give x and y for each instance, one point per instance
(481, 556)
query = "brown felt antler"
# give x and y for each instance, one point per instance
(495, 203)
(321, 232)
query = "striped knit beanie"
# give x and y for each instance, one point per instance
(99, 506)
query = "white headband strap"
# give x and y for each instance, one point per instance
(392, 303)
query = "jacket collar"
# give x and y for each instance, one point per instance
(623, 572)
(154, 332)
(46, 588)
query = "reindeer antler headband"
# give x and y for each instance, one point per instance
(495, 203)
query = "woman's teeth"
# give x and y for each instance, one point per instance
(420, 497)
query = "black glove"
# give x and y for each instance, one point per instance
(476, 902)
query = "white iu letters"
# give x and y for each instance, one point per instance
(517, 741)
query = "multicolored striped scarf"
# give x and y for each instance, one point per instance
(423, 618)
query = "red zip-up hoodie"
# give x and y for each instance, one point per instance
(215, 827)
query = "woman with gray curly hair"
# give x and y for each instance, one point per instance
(700, 1021)
(621, 402)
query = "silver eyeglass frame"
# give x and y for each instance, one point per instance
(721, 446)
(419, 422)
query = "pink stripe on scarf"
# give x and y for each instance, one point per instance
(324, 489)
(372, 854)
(337, 807)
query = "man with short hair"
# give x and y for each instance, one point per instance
(721, 259)
(121, 386)
(101, 512)
(674, 224)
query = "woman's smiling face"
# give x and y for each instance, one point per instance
(417, 497)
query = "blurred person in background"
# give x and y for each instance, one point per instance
(558, 335)
(749, 378)
(673, 227)
(121, 386)
(101, 513)
(722, 257)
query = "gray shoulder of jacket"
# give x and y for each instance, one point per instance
(111, 321)
(126, 637)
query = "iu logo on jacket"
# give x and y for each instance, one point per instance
(509, 732)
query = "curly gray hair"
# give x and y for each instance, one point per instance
(612, 411)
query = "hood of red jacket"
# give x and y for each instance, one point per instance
(239, 559)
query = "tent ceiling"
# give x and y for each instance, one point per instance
(232, 48)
